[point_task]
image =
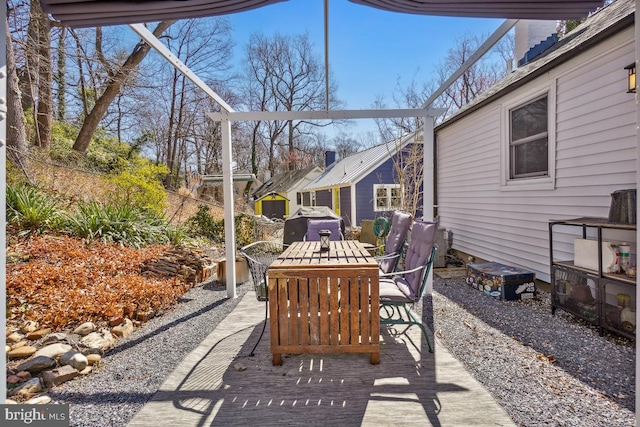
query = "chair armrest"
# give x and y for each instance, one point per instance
(387, 256)
(400, 273)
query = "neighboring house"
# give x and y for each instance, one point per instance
(280, 195)
(361, 186)
(552, 140)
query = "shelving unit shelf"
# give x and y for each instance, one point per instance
(608, 300)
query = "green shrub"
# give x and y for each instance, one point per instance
(126, 224)
(138, 184)
(203, 225)
(31, 209)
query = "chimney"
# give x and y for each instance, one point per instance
(329, 158)
(530, 33)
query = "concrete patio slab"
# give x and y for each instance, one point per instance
(219, 383)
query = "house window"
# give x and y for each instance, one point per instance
(529, 140)
(299, 198)
(387, 197)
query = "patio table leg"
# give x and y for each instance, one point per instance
(277, 359)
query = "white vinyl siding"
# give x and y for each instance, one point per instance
(595, 155)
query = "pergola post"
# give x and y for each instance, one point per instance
(428, 189)
(229, 217)
(637, 62)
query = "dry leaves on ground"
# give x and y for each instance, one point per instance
(60, 281)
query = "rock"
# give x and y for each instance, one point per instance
(10, 402)
(54, 338)
(75, 359)
(59, 375)
(13, 379)
(40, 400)
(101, 339)
(123, 330)
(18, 345)
(36, 335)
(37, 364)
(93, 359)
(15, 337)
(25, 375)
(240, 367)
(85, 329)
(21, 352)
(86, 371)
(88, 351)
(27, 389)
(115, 321)
(7, 349)
(29, 326)
(144, 316)
(53, 350)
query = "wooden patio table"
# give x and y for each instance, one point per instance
(324, 301)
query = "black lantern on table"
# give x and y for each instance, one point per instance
(325, 239)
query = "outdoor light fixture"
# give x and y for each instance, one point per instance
(325, 239)
(631, 81)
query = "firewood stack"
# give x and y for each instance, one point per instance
(188, 264)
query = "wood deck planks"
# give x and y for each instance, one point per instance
(410, 386)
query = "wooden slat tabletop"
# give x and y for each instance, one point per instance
(342, 254)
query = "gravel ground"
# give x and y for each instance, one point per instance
(544, 370)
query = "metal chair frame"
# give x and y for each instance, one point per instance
(259, 256)
(391, 312)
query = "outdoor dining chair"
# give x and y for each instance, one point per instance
(395, 241)
(259, 256)
(315, 225)
(401, 290)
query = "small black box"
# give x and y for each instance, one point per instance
(503, 281)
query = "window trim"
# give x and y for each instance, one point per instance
(535, 182)
(388, 206)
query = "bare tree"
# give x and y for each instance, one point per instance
(40, 72)
(112, 88)
(282, 73)
(16, 135)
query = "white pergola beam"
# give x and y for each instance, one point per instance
(227, 179)
(159, 47)
(241, 116)
(502, 30)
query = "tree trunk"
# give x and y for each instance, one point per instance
(41, 72)
(114, 86)
(16, 135)
(60, 75)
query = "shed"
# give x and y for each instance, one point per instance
(279, 195)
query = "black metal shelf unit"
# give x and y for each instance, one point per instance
(608, 300)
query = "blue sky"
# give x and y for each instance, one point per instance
(369, 49)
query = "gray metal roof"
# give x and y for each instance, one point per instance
(282, 182)
(352, 169)
(608, 21)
